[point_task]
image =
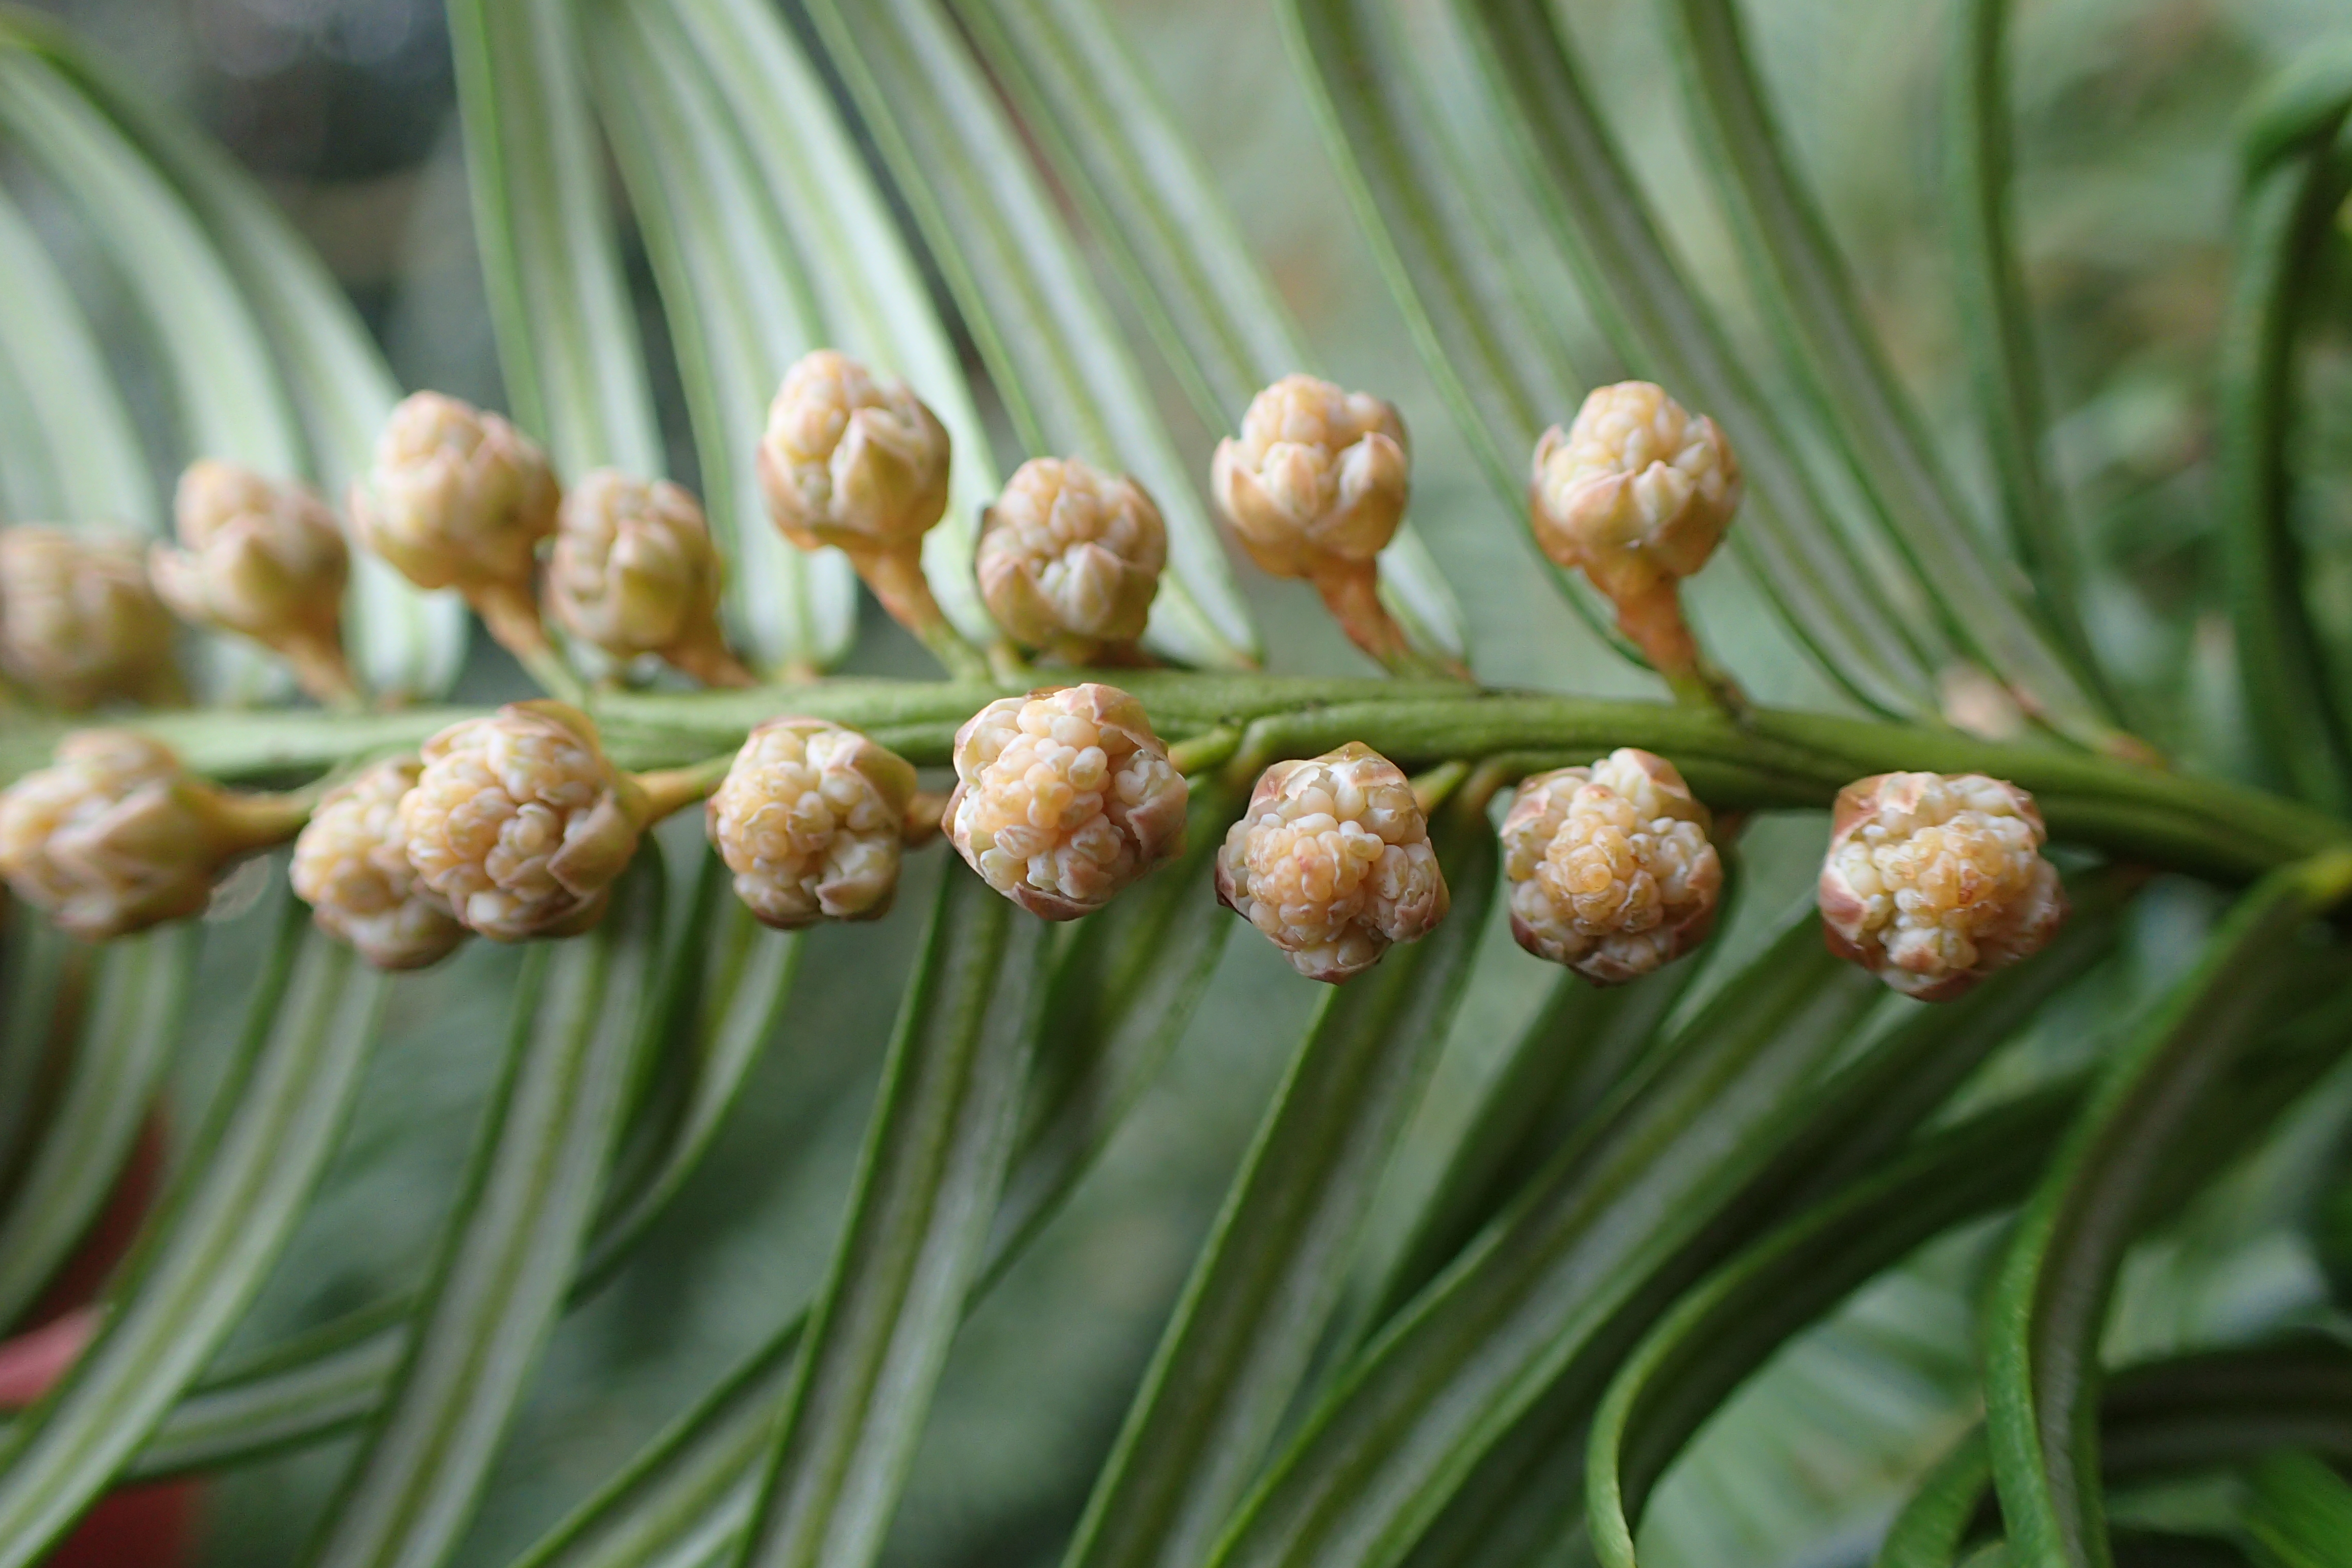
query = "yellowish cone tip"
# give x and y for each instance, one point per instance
(1070, 557)
(811, 819)
(79, 623)
(115, 835)
(350, 866)
(852, 459)
(1637, 494)
(1934, 880)
(1063, 797)
(519, 822)
(262, 558)
(634, 572)
(1609, 868)
(1332, 862)
(458, 497)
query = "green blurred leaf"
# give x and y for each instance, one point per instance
(1244, 1331)
(2167, 1417)
(2301, 1514)
(740, 312)
(136, 1017)
(937, 1150)
(1214, 313)
(2285, 219)
(575, 373)
(310, 1025)
(44, 997)
(1051, 346)
(2049, 1305)
(579, 1019)
(1813, 301)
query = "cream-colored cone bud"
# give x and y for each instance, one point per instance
(1934, 880)
(350, 866)
(1637, 491)
(458, 497)
(1332, 862)
(1609, 868)
(1070, 557)
(115, 835)
(851, 460)
(1063, 797)
(520, 823)
(79, 623)
(810, 818)
(1317, 476)
(263, 560)
(633, 571)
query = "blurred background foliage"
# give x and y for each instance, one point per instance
(345, 108)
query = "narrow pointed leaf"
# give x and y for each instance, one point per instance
(2285, 222)
(740, 309)
(1997, 317)
(1726, 1329)
(688, 1496)
(1387, 1446)
(1866, 620)
(869, 287)
(936, 1154)
(2164, 1417)
(91, 468)
(746, 974)
(136, 1017)
(45, 985)
(1052, 347)
(579, 1020)
(208, 1245)
(1578, 1047)
(1120, 995)
(576, 373)
(1435, 207)
(2049, 1304)
(1813, 301)
(1150, 205)
(1245, 1330)
(2301, 1515)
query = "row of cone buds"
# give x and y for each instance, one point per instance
(458, 497)
(1637, 494)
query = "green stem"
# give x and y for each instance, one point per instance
(1772, 759)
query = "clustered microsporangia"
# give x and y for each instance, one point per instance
(516, 824)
